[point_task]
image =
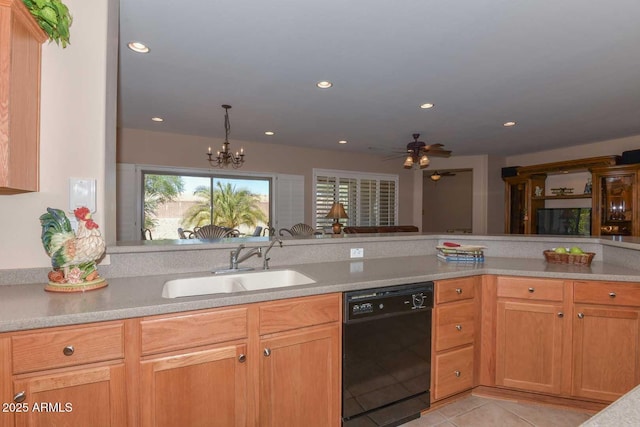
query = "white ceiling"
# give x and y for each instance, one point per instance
(568, 71)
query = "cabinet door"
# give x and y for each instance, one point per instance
(80, 397)
(529, 346)
(605, 352)
(300, 378)
(200, 388)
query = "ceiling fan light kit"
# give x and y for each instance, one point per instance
(225, 157)
(418, 150)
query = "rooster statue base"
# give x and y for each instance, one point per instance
(73, 254)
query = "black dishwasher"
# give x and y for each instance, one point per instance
(386, 354)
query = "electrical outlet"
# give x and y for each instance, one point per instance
(357, 252)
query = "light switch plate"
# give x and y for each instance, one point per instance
(357, 252)
(82, 192)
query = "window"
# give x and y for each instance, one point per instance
(172, 201)
(368, 199)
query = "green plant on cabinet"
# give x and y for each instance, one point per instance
(53, 17)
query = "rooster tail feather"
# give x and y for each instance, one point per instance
(54, 222)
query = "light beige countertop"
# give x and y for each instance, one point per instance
(623, 412)
(28, 306)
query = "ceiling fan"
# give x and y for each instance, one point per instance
(436, 176)
(418, 150)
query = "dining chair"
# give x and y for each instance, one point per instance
(185, 234)
(213, 232)
(146, 234)
(299, 229)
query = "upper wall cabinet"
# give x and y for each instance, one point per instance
(20, 51)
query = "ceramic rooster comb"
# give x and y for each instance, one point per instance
(73, 254)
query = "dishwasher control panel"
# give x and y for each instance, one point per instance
(388, 301)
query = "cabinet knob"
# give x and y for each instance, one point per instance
(458, 291)
(612, 294)
(68, 350)
(580, 315)
(532, 290)
(457, 373)
(560, 314)
(20, 397)
(242, 358)
(267, 352)
(459, 327)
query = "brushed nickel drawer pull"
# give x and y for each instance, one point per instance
(531, 290)
(68, 350)
(459, 291)
(242, 358)
(20, 397)
(560, 314)
(612, 294)
(457, 373)
(267, 352)
(580, 315)
(459, 327)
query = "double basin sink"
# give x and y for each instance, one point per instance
(236, 282)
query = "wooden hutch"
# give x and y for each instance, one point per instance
(613, 195)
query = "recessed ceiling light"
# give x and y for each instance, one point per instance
(270, 133)
(342, 141)
(157, 119)
(138, 47)
(426, 106)
(509, 124)
(324, 84)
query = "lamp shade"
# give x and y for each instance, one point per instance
(337, 211)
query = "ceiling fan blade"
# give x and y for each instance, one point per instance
(438, 153)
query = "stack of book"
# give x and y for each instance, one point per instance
(460, 253)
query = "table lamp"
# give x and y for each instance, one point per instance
(337, 212)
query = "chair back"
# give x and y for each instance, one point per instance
(146, 234)
(185, 234)
(257, 231)
(299, 229)
(212, 232)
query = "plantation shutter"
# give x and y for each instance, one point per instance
(387, 203)
(368, 199)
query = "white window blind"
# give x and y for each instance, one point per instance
(368, 199)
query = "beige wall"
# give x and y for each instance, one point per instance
(596, 149)
(167, 149)
(448, 203)
(72, 134)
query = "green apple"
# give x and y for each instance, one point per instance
(576, 250)
(561, 250)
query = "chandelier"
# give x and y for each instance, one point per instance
(225, 157)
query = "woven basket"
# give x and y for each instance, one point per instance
(575, 259)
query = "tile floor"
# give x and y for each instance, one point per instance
(475, 411)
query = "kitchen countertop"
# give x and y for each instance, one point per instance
(28, 306)
(623, 412)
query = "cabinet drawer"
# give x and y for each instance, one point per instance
(299, 312)
(529, 288)
(609, 293)
(454, 325)
(453, 372)
(193, 329)
(57, 348)
(454, 290)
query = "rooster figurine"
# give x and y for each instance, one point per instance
(73, 255)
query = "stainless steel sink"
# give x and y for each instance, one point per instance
(240, 282)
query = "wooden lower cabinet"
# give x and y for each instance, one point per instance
(454, 337)
(268, 364)
(91, 396)
(300, 378)
(605, 351)
(205, 387)
(529, 338)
